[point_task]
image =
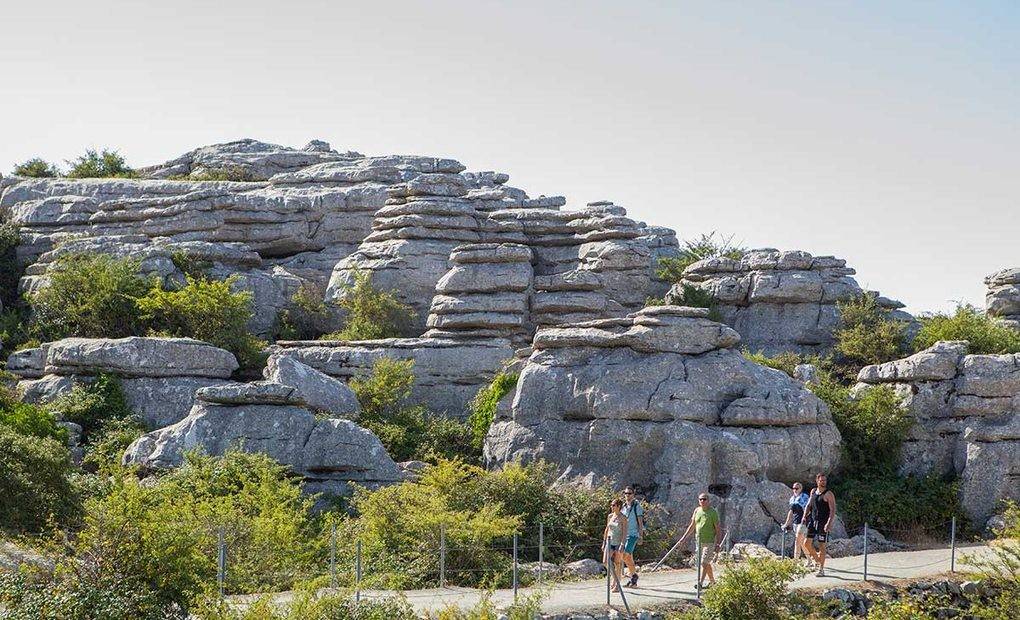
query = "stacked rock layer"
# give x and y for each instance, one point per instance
(779, 301)
(967, 419)
(1003, 297)
(662, 398)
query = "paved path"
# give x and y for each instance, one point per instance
(664, 587)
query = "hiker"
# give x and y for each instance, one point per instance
(614, 537)
(635, 529)
(795, 517)
(821, 514)
(705, 522)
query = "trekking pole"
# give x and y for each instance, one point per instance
(782, 550)
(952, 545)
(865, 551)
(332, 556)
(622, 595)
(442, 556)
(541, 545)
(697, 551)
(515, 567)
(609, 569)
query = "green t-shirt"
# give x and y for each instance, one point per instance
(704, 524)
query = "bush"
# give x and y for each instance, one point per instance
(10, 269)
(693, 250)
(34, 477)
(36, 167)
(407, 431)
(165, 534)
(483, 406)
(753, 590)
(83, 591)
(308, 312)
(982, 333)
(92, 296)
(28, 419)
(867, 335)
(15, 331)
(308, 606)
(873, 422)
(106, 446)
(695, 297)
(372, 314)
(91, 405)
(786, 362)
(102, 164)
(207, 310)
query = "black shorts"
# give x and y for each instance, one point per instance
(813, 533)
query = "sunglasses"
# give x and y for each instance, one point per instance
(702, 499)
(627, 493)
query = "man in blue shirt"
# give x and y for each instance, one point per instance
(635, 528)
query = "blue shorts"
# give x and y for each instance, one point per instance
(628, 547)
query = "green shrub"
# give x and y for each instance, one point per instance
(867, 335)
(34, 477)
(165, 534)
(101, 164)
(92, 296)
(308, 312)
(108, 443)
(695, 297)
(189, 265)
(756, 589)
(786, 362)
(706, 246)
(309, 606)
(15, 330)
(408, 432)
(86, 590)
(982, 333)
(91, 405)
(207, 310)
(483, 406)
(36, 167)
(873, 422)
(372, 314)
(29, 419)
(10, 269)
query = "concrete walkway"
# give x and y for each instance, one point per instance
(660, 588)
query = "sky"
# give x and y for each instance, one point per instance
(884, 133)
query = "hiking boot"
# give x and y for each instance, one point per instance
(633, 580)
(820, 573)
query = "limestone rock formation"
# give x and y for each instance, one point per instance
(779, 301)
(662, 398)
(159, 375)
(448, 372)
(967, 419)
(276, 419)
(320, 393)
(1003, 298)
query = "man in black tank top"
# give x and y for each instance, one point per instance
(820, 514)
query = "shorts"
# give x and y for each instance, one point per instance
(628, 547)
(813, 533)
(707, 553)
(613, 547)
(799, 529)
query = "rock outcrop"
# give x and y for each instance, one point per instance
(967, 419)
(448, 371)
(662, 398)
(159, 376)
(1003, 297)
(779, 301)
(277, 419)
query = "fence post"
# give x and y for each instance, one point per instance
(357, 571)
(221, 560)
(607, 557)
(865, 551)
(332, 556)
(952, 546)
(442, 556)
(697, 563)
(541, 548)
(515, 567)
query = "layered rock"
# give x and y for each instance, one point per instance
(1003, 297)
(485, 294)
(448, 371)
(967, 419)
(779, 301)
(662, 398)
(277, 419)
(159, 376)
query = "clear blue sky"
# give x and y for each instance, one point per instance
(884, 133)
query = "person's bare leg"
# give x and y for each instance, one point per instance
(821, 556)
(809, 549)
(617, 570)
(709, 574)
(798, 543)
(628, 559)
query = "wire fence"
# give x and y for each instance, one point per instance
(533, 557)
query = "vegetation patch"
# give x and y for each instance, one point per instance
(37, 168)
(371, 314)
(672, 268)
(100, 164)
(483, 407)
(983, 334)
(867, 335)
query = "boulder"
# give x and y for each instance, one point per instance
(319, 391)
(779, 301)
(583, 569)
(1003, 297)
(271, 418)
(663, 399)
